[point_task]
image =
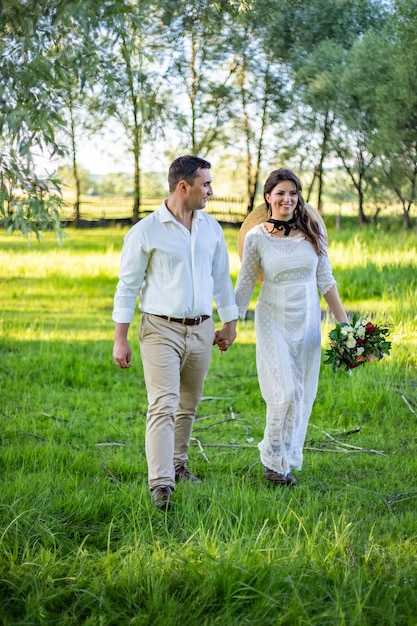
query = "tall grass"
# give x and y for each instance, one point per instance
(80, 542)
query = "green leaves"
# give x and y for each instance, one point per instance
(28, 203)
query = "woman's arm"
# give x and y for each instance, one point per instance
(335, 304)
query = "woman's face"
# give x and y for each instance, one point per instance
(283, 200)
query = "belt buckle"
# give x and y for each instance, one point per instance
(192, 321)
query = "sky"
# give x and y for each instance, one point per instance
(106, 154)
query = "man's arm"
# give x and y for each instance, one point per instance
(122, 353)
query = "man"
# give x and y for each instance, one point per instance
(177, 262)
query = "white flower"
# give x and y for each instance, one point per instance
(351, 342)
(360, 350)
(346, 330)
(360, 323)
(360, 331)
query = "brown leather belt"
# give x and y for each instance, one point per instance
(188, 321)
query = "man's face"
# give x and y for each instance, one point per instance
(200, 190)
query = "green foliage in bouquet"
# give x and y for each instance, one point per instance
(357, 343)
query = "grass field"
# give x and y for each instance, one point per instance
(80, 542)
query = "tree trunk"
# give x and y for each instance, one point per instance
(137, 144)
(310, 189)
(136, 191)
(323, 153)
(246, 133)
(362, 217)
(406, 204)
(318, 170)
(193, 95)
(406, 217)
(137, 134)
(358, 184)
(77, 202)
(255, 177)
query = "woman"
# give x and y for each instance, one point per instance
(290, 249)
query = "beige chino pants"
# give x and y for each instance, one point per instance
(175, 360)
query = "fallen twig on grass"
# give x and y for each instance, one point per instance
(347, 445)
(315, 445)
(225, 445)
(204, 417)
(251, 468)
(111, 443)
(340, 450)
(200, 447)
(214, 398)
(34, 436)
(53, 417)
(113, 478)
(408, 401)
(350, 432)
(232, 419)
(399, 496)
(342, 444)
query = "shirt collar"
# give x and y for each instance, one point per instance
(166, 216)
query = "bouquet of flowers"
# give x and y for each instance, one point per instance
(356, 343)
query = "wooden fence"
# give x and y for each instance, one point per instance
(113, 208)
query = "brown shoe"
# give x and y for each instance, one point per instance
(275, 477)
(161, 497)
(183, 473)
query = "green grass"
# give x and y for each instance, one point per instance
(80, 542)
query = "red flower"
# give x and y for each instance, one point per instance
(370, 328)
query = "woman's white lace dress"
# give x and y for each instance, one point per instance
(288, 339)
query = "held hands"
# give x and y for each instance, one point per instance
(224, 337)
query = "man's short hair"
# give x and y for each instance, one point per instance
(185, 168)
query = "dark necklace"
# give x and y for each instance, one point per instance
(286, 226)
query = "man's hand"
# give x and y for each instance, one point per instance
(122, 354)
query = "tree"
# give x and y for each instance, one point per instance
(133, 89)
(262, 83)
(29, 118)
(262, 97)
(72, 94)
(37, 85)
(202, 73)
(320, 34)
(316, 85)
(382, 84)
(396, 139)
